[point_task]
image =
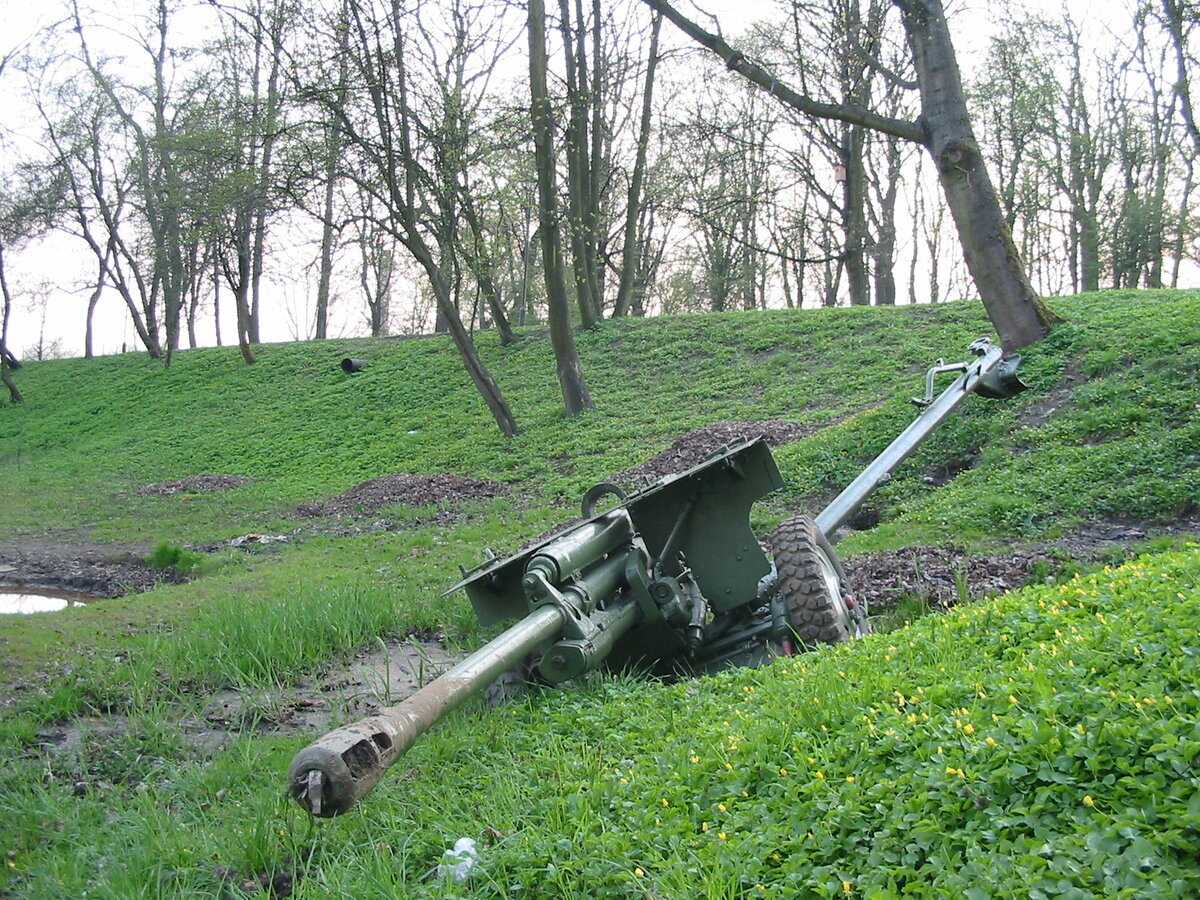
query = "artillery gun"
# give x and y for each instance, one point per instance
(670, 579)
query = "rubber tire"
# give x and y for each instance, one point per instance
(813, 584)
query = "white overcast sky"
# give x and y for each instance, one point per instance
(972, 23)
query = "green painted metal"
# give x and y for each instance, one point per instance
(670, 578)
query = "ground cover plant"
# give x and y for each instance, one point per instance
(119, 453)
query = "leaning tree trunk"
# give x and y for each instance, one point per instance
(480, 376)
(7, 360)
(1020, 316)
(1017, 312)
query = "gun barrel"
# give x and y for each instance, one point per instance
(333, 773)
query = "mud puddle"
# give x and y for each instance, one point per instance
(21, 600)
(374, 678)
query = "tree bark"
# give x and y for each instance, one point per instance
(1018, 314)
(570, 373)
(325, 270)
(8, 362)
(579, 166)
(629, 256)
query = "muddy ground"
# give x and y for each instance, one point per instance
(936, 577)
(939, 575)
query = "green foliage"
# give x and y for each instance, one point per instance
(166, 556)
(304, 430)
(1044, 743)
(1084, 787)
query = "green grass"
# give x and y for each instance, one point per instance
(1109, 432)
(1041, 744)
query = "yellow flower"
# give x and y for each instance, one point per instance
(783, 771)
(695, 759)
(846, 887)
(820, 776)
(969, 728)
(1088, 801)
(720, 807)
(722, 835)
(991, 742)
(850, 778)
(666, 802)
(638, 872)
(704, 826)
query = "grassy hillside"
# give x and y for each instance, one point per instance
(1043, 742)
(1119, 380)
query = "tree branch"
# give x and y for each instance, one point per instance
(737, 62)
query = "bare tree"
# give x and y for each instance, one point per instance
(570, 373)
(631, 259)
(1018, 314)
(384, 160)
(87, 185)
(1180, 19)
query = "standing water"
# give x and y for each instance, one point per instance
(31, 600)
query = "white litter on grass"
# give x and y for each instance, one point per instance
(458, 861)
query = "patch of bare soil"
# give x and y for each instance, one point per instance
(99, 570)
(944, 576)
(411, 490)
(194, 484)
(938, 576)
(376, 677)
(696, 446)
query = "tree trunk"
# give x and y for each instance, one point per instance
(325, 276)
(570, 372)
(8, 362)
(579, 164)
(480, 376)
(629, 256)
(480, 261)
(1018, 314)
(854, 217)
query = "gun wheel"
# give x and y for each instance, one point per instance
(812, 583)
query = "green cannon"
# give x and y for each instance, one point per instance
(670, 579)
